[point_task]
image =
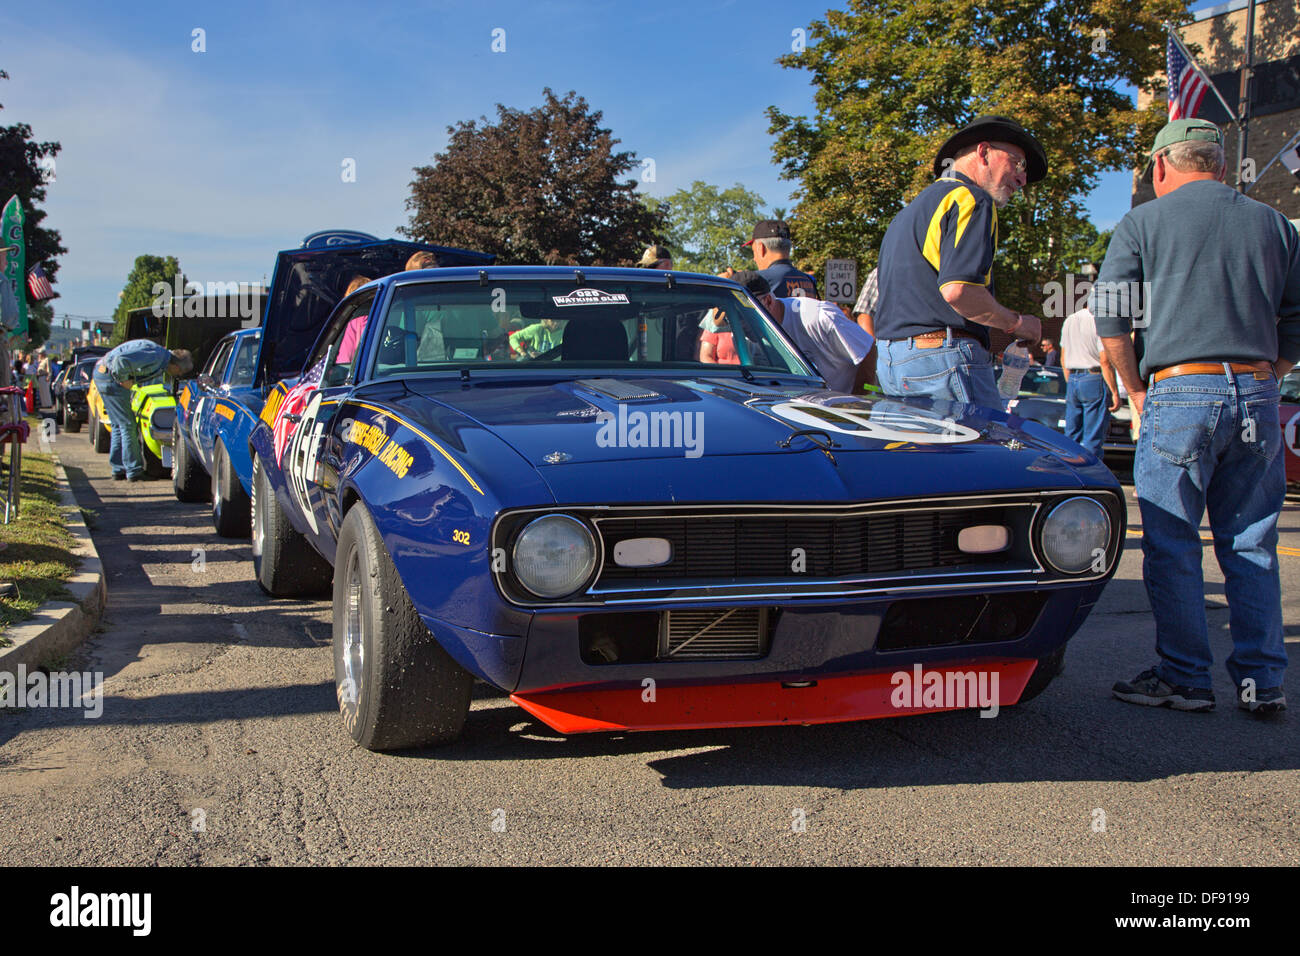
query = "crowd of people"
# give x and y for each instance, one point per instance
(1214, 278)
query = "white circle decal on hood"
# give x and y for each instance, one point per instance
(866, 420)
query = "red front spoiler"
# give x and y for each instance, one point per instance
(829, 700)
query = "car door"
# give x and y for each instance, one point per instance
(207, 389)
(302, 454)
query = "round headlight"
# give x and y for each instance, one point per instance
(554, 555)
(1075, 536)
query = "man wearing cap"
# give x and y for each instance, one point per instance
(136, 361)
(837, 345)
(771, 249)
(936, 302)
(1213, 279)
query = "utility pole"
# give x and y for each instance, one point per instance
(1244, 95)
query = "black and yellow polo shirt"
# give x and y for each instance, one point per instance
(946, 234)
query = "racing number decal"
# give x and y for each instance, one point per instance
(300, 459)
(1291, 435)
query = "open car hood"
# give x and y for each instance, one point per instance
(308, 283)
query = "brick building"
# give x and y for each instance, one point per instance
(1220, 33)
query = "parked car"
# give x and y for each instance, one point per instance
(1289, 417)
(623, 537)
(203, 469)
(154, 408)
(70, 389)
(1042, 399)
(217, 415)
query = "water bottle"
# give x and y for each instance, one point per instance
(1015, 360)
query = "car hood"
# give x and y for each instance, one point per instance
(706, 439)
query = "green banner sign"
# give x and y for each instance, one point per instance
(15, 272)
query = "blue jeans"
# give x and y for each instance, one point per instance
(124, 448)
(1213, 441)
(957, 371)
(1087, 410)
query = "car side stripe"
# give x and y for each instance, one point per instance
(442, 451)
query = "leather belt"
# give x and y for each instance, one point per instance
(1213, 368)
(1095, 370)
(932, 340)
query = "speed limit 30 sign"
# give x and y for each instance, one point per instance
(842, 280)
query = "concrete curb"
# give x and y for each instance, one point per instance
(59, 627)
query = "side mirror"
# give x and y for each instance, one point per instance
(207, 381)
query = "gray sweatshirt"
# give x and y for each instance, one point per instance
(1207, 274)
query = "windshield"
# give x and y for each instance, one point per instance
(82, 372)
(1041, 381)
(555, 325)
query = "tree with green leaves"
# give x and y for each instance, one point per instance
(894, 78)
(537, 186)
(23, 173)
(706, 226)
(139, 289)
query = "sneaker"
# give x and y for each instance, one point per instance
(135, 477)
(1149, 690)
(1268, 700)
(119, 476)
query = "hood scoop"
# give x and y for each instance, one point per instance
(619, 390)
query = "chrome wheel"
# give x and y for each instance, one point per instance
(257, 524)
(354, 653)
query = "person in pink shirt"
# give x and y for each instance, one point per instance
(352, 334)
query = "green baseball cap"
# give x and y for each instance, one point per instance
(1180, 131)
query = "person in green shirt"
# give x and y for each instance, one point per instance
(537, 339)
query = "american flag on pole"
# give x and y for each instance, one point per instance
(38, 285)
(295, 400)
(1187, 84)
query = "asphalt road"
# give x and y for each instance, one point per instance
(220, 743)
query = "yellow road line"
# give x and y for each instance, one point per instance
(1290, 552)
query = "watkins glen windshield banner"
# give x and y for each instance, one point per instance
(15, 267)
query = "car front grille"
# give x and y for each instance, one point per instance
(757, 546)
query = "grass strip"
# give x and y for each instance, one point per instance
(37, 556)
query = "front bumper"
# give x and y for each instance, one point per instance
(769, 703)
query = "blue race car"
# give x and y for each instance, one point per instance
(527, 475)
(216, 413)
(204, 466)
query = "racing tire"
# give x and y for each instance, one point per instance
(1046, 671)
(70, 423)
(187, 476)
(284, 563)
(396, 686)
(100, 437)
(231, 508)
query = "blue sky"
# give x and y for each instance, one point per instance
(224, 157)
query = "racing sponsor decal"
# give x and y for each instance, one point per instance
(901, 423)
(185, 399)
(226, 412)
(376, 441)
(589, 297)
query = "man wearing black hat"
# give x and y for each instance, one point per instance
(1213, 278)
(771, 249)
(935, 277)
